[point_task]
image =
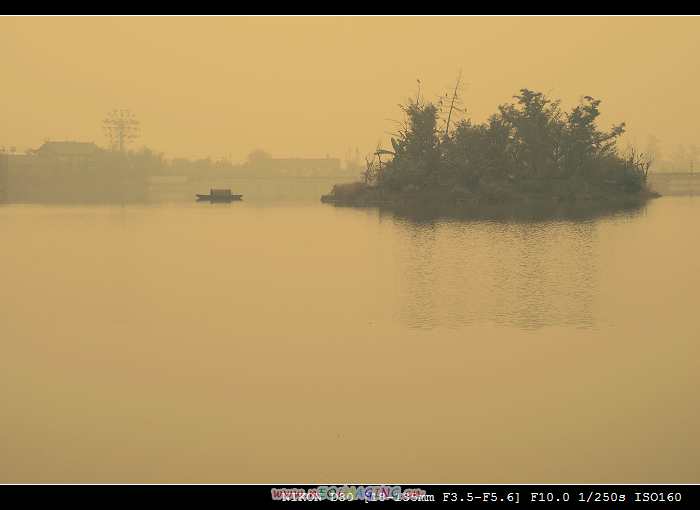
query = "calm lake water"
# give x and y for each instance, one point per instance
(295, 341)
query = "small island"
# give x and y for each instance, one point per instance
(529, 158)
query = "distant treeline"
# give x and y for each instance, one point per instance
(258, 163)
(97, 176)
(82, 171)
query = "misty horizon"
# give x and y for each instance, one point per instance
(208, 95)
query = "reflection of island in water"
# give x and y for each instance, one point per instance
(526, 274)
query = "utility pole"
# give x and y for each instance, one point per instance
(121, 128)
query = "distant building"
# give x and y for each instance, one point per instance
(72, 172)
(68, 151)
(66, 155)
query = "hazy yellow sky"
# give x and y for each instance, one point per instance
(311, 86)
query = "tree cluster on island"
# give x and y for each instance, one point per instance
(530, 151)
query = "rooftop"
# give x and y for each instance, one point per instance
(68, 148)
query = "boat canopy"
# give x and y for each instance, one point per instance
(220, 193)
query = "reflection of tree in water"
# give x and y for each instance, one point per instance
(551, 280)
(524, 274)
(417, 270)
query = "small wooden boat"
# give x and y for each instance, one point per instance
(219, 195)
